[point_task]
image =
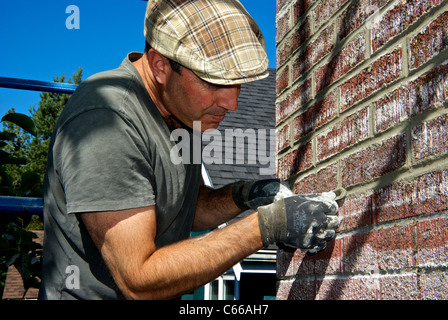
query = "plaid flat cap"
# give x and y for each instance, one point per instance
(217, 39)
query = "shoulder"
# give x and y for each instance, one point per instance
(110, 91)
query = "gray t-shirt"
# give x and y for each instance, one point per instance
(110, 151)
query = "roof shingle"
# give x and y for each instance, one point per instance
(256, 110)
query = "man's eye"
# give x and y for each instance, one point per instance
(211, 85)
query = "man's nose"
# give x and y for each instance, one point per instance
(227, 97)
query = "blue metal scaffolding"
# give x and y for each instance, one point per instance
(21, 206)
(34, 85)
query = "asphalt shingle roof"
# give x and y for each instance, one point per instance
(256, 111)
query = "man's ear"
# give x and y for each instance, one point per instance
(159, 66)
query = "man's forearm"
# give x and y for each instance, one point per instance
(190, 264)
(214, 207)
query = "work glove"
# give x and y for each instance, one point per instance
(306, 222)
(253, 194)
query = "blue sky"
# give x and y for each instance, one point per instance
(36, 45)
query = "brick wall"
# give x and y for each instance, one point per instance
(362, 91)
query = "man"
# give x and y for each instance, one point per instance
(118, 213)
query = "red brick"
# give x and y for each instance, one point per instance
(399, 287)
(301, 35)
(429, 42)
(432, 238)
(314, 52)
(356, 212)
(352, 130)
(412, 98)
(331, 289)
(295, 161)
(293, 262)
(395, 247)
(392, 109)
(350, 288)
(341, 63)
(300, 7)
(325, 9)
(359, 253)
(283, 137)
(317, 115)
(282, 110)
(328, 261)
(383, 249)
(399, 18)
(323, 181)
(430, 193)
(425, 194)
(428, 90)
(296, 290)
(282, 26)
(290, 45)
(356, 14)
(284, 52)
(283, 80)
(383, 71)
(434, 286)
(393, 202)
(284, 263)
(375, 161)
(299, 97)
(430, 138)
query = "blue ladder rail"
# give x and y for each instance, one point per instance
(21, 206)
(35, 85)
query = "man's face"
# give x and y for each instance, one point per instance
(189, 98)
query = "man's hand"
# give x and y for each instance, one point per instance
(253, 194)
(303, 221)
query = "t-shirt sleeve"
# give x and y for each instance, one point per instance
(103, 163)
